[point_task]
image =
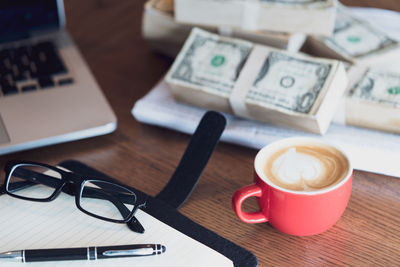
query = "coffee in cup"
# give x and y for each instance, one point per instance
(302, 186)
(306, 166)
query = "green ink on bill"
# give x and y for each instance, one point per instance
(354, 39)
(217, 60)
(394, 90)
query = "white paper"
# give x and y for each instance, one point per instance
(368, 150)
(59, 224)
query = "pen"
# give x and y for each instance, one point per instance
(88, 253)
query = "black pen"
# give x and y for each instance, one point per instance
(89, 253)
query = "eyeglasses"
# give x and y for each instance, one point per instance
(96, 197)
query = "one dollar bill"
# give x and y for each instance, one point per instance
(379, 87)
(373, 99)
(289, 82)
(210, 63)
(355, 40)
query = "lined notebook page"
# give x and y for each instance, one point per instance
(57, 224)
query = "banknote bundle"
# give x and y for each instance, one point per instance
(163, 5)
(356, 41)
(257, 82)
(307, 16)
(165, 35)
(372, 99)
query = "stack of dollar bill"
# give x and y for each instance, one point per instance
(307, 16)
(251, 79)
(257, 82)
(166, 35)
(356, 41)
(372, 99)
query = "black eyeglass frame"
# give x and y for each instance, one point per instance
(72, 184)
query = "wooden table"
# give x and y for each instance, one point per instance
(108, 34)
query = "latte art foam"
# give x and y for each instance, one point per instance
(306, 167)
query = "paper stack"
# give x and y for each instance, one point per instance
(257, 82)
(307, 16)
(166, 35)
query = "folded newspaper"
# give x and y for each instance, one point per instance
(369, 150)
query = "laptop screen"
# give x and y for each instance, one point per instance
(18, 18)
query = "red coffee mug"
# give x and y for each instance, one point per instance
(299, 213)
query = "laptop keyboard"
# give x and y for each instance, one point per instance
(27, 68)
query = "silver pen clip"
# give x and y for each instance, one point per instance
(129, 252)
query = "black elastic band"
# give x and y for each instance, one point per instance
(194, 160)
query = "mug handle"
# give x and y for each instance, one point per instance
(240, 196)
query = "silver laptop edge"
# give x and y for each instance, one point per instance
(75, 112)
(97, 131)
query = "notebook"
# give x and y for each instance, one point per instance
(59, 224)
(47, 93)
(25, 224)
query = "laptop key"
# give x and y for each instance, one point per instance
(23, 50)
(28, 88)
(24, 63)
(6, 61)
(65, 81)
(33, 71)
(18, 76)
(22, 58)
(6, 53)
(5, 66)
(9, 90)
(45, 82)
(7, 85)
(47, 60)
(6, 80)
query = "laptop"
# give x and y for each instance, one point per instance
(47, 92)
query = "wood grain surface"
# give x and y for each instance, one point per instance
(108, 33)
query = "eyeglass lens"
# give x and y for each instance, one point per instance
(33, 181)
(107, 200)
